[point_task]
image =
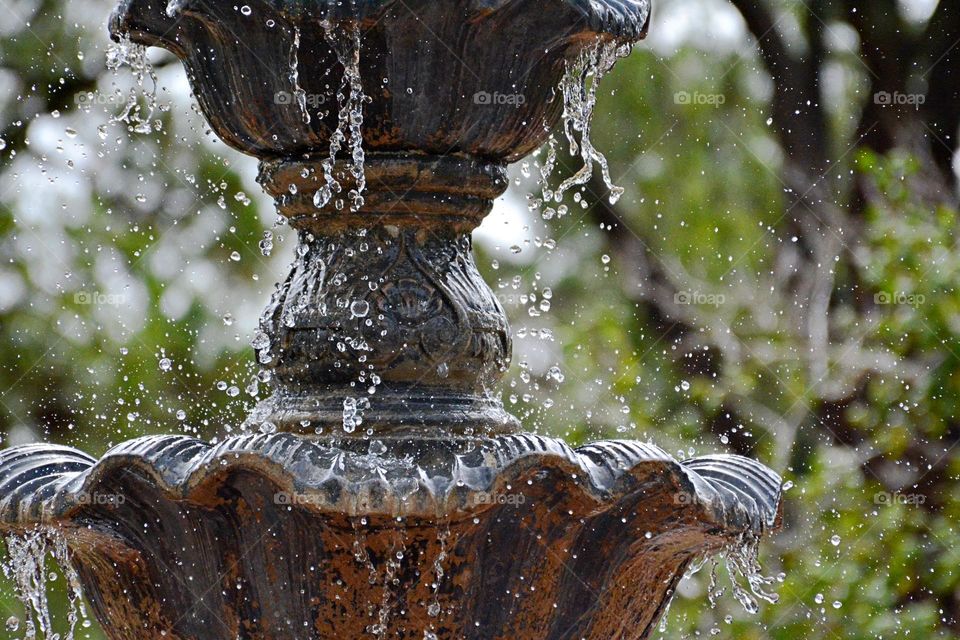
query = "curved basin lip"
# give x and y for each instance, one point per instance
(622, 19)
(603, 474)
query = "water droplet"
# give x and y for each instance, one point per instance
(165, 364)
(359, 308)
(268, 427)
(266, 245)
(260, 341)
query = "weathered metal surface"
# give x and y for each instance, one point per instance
(517, 537)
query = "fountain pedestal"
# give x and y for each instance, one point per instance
(386, 299)
(385, 492)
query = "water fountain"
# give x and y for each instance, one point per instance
(382, 490)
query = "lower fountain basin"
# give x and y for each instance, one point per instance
(281, 536)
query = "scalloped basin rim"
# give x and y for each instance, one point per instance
(732, 493)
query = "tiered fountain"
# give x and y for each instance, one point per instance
(382, 490)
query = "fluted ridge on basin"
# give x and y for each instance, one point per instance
(44, 484)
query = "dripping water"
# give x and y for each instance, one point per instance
(76, 611)
(127, 53)
(350, 99)
(433, 609)
(26, 567)
(579, 89)
(391, 565)
(748, 584)
(298, 93)
(742, 561)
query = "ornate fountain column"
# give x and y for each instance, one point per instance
(384, 492)
(384, 325)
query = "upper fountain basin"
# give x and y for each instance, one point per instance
(475, 77)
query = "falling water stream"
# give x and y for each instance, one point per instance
(579, 87)
(298, 93)
(26, 566)
(747, 581)
(350, 99)
(134, 56)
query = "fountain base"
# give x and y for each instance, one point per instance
(278, 536)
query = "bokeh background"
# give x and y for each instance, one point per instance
(779, 280)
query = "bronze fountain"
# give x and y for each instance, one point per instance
(382, 490)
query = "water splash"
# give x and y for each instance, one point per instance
(350, 98)
(579, 89)
(298, 93)
(26, 567)
(546, 171)
(742, 561)
(353, 409)
(129, 54)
